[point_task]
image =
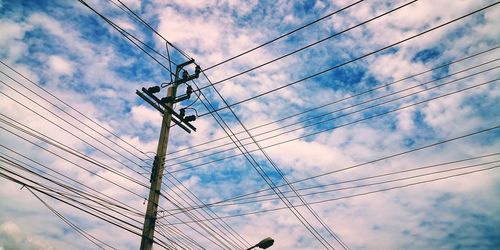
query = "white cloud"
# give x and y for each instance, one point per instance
(142, 115)
(98, 74)
(60, 66)
(12, 237)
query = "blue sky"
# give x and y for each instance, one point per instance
(80, 60)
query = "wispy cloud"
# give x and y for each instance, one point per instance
(315, 126)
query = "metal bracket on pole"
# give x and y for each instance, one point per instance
(175, 119)
(175, 114)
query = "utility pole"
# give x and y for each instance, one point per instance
(165, 106)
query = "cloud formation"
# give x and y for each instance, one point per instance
(317, 117)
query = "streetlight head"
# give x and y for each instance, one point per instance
(265, 243)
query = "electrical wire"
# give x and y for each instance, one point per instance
(240, 202)
(348, 97)
(353, 60)
(66, 130)
(71, 107)
(339, 110)
(284, 35)
(99, 200)
(256, 194)
(279, 171)
(127, 35)
(122, 3)
(338, 126)
(91, 8)
(66, 149)
(109, 200)
(210, 212)
(310, 45)
(76, 191)
(167, 43)
(108, 169)
(25, 184)
(208, 229)
(281, 174)
(365, 193)
(152, 29)
(57, 145)
(75, 118)
(242, 152)
(80, 231)
(73, 163)
(80, 183)
(264, 175)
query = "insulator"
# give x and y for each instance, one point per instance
(197, 69)
(189, 90)
(190, 118)
(185, 74)
(182, 113)
(154, 89)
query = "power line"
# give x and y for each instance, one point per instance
(66, 130)
(167, 47)
(103, 202)
(75, 164)
(13, 179)
(378, 175)
(352, 60)
(47, 188)
(152, 29)
(88, 170)
(76, 191)
(339, 110)
(71, 107)
(118, 204)
(79, 194)
(65, 148)
(367, 193)
(72, 116)
(73, 190)
(80, 231)
(201, 223)
(281, 174)
(226, 226)
(262, 174)
(240, 202)
(284, 35)
(339, 126)
(127, 35)
(345, 98)
(308, 46)
(269, 181)
(256, 194)
(376, 160)
(142, 22)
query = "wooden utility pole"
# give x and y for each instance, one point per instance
(165, 105)
(156, 177)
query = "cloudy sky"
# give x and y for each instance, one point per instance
(378, 121)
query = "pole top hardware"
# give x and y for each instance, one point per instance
(165, 104)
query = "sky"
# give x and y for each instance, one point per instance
(383, 116)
